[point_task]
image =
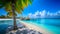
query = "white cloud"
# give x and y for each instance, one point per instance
(30, 14)
(36, 13)
(42, 14)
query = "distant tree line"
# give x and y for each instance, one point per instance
(3, 16)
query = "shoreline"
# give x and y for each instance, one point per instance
(34, 27)
(8, 19)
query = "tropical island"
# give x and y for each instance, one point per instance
(29, 16)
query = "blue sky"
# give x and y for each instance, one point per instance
(52, 6)
(3, 12)
(48, 5)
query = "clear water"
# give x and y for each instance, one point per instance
(52, 25)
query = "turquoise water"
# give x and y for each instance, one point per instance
(52, 25)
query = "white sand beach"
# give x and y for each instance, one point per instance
(34, 27)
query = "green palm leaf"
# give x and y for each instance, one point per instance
(8, 7)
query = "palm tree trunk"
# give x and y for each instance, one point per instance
(14, 16)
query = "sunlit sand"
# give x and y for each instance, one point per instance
(34, 27)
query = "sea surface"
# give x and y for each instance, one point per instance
(4, 24)
(52, 25)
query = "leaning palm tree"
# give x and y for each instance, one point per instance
(13, 7)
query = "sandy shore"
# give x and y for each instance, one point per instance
(34, 27)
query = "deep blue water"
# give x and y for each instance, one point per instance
(4, 24)
(52, 25)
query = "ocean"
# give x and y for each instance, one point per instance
(4, 24)
(52, 25)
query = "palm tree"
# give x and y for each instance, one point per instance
(13, 7)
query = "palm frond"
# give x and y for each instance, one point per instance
(19, 5)
(8, 7)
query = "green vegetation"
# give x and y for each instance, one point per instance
(13, 7)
